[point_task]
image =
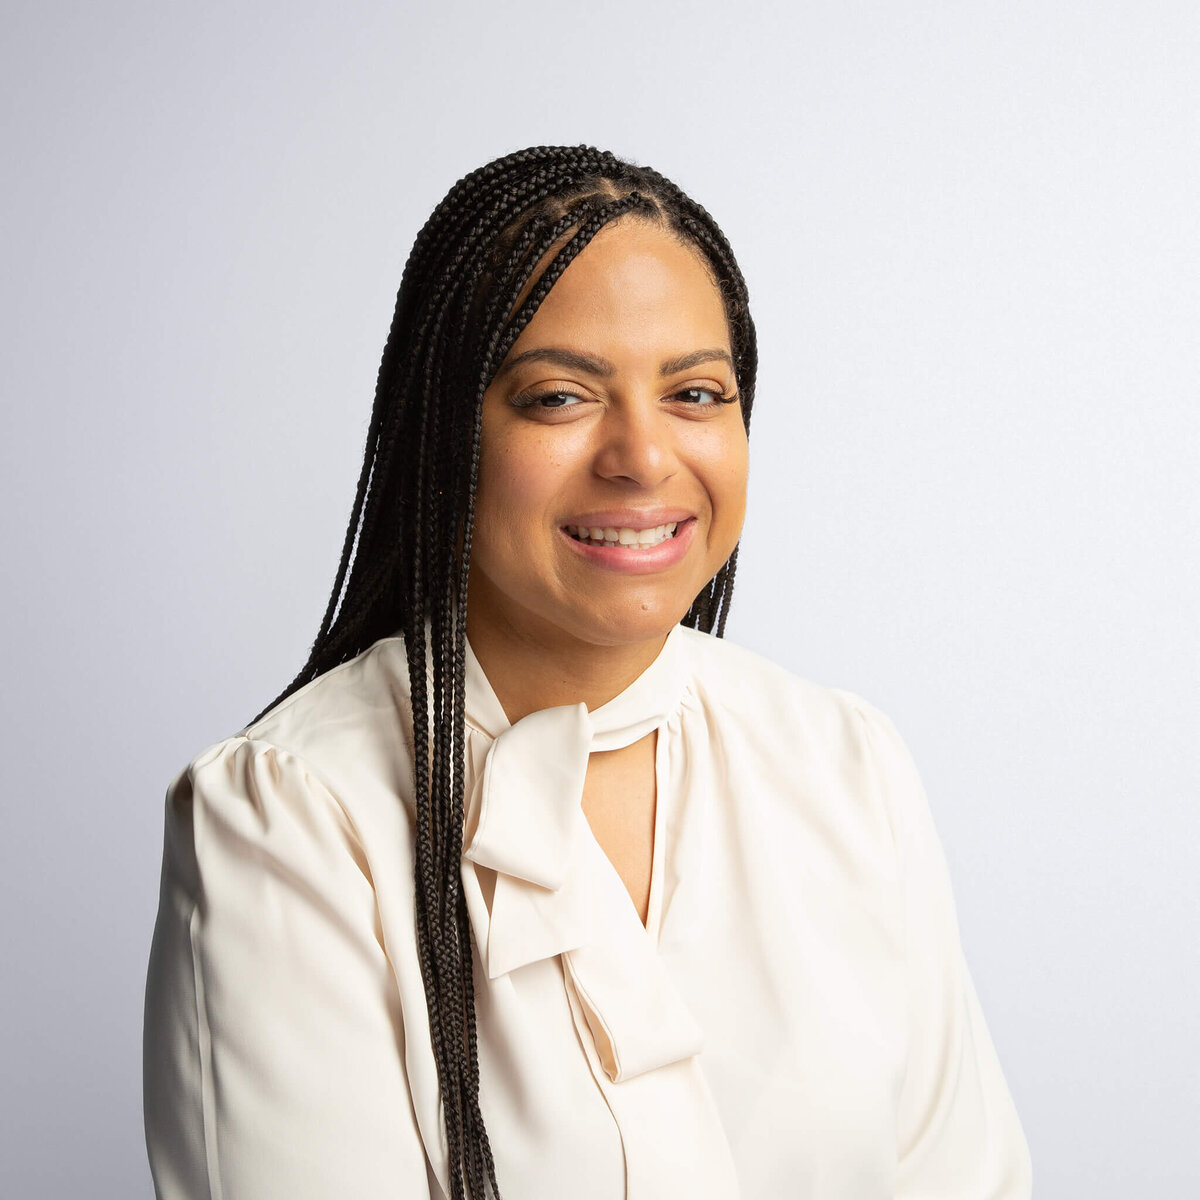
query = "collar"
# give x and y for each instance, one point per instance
(530, 810)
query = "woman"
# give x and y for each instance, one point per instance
(614, 908)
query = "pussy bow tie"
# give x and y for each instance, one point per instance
(556, 891)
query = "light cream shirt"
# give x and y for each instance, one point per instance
(795, 1020)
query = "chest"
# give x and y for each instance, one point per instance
(776, 921)
(619, 801)
(781, 951)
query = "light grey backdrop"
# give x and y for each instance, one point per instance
(970, 231)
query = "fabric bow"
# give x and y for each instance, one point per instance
(555, 890)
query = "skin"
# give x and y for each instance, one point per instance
(549, 626)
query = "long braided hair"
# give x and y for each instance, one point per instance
(408, 543)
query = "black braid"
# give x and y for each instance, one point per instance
(405, 557)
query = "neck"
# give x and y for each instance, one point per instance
(530, 673)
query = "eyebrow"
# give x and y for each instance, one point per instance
(602, 367)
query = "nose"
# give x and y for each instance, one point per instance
(636, 444)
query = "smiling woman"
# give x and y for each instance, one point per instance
(530, 883)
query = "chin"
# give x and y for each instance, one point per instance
(638, 621)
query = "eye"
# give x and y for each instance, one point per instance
(695, 396)
(544, 400)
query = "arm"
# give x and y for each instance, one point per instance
(959, 1137)
(273, 1046)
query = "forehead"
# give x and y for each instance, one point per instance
(634, 286)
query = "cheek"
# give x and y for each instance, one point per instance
(722, 460)
(518, 478)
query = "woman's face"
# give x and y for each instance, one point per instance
(606, 416)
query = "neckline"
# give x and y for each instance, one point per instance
(653, 694)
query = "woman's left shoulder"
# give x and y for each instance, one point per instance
(749, 687)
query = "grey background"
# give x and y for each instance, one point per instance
(970, 232)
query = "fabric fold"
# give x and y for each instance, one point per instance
(635, 1015)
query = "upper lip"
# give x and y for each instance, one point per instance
(631, 518)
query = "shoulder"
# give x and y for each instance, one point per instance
(352, 726)
(746, 687)
(365, 692)
(823, 762)
(841, 743)
(344, 736)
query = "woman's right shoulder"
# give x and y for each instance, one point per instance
(347, 733)
(371, 688)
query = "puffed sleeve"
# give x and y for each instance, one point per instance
(959, 1136)
(273, 1058)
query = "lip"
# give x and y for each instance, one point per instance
(630, 518)
(633, 560)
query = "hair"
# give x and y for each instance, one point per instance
(467, 292)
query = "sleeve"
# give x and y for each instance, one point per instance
(273, 1056)
(959, 1136)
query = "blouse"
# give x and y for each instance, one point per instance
(794, 1019)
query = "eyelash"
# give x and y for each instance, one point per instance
(529, 399)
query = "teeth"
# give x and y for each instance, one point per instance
(611, 536)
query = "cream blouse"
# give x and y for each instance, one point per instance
(795, 1019)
